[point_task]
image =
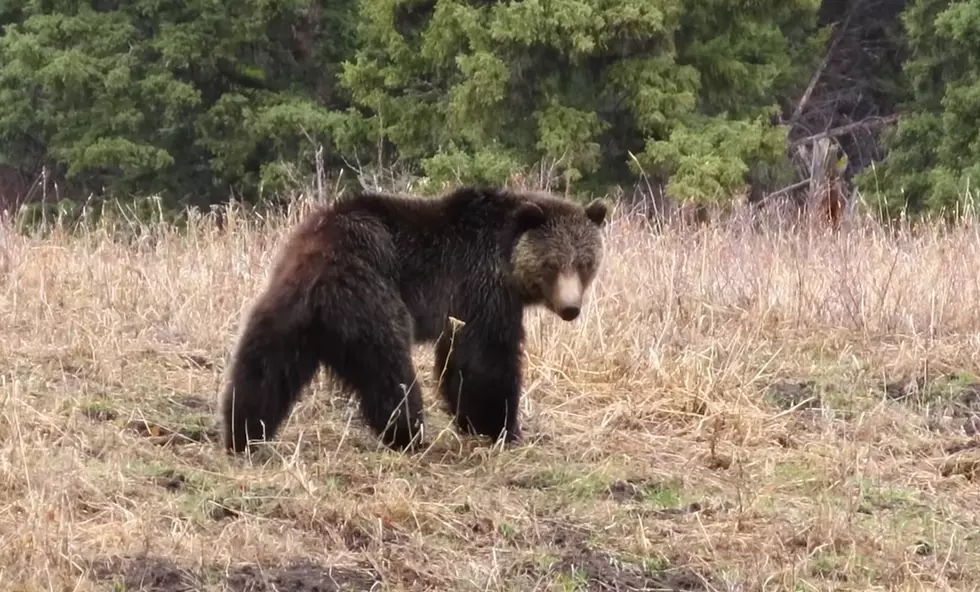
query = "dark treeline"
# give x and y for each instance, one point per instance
(199, 101)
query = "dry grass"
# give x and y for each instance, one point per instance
(733, 411)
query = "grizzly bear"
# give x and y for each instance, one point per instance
(357, 282)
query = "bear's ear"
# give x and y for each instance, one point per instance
(596, 211)
(529, 216)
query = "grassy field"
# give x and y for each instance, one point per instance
(732, 411)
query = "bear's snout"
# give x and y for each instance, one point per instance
(566, 297)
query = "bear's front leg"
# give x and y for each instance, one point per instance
(479, 376)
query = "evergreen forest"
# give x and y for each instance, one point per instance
(202, 101)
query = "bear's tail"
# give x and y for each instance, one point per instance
(274, 359)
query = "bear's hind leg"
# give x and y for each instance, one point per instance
(372, 356)
(273, 361)
(389, 394)
(481, 383)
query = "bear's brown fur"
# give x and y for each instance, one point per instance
(357, 282)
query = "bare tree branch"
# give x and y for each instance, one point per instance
(841, 130)
(838, 35)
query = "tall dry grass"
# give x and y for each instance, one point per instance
(734, 410)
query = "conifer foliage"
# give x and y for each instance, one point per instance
(199, 101)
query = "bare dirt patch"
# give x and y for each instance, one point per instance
(596, 570)
(159, 574)
(955, 393)
(576, 564)
(950, 402)
(787, 395)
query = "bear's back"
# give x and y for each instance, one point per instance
(442, 253)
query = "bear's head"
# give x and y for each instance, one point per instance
(558, 252)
